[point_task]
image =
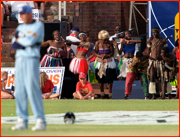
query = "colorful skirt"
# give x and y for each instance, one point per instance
(123, 66)
(78, 65)
(105, 70)
(48, 61)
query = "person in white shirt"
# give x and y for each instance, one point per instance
(15, 6)
(4, 11)
(117, 57)
(73, 38)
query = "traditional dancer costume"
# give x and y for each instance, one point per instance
(124, 62)
(158, 67)
(79, 63)
(142, 70)
(105, 69)
(52, 58)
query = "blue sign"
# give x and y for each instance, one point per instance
(162, 14)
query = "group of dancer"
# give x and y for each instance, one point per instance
(154, 63)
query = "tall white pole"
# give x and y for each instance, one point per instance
(60, 10)
(64, 8)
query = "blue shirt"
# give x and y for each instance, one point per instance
(129, 48)
(30, 37)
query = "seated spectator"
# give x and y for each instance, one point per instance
(5, 94)
(70, 52)
(41, 5)
(13, 87)
(47, 87)
(84, 89)
(4, 11)
(15, 5)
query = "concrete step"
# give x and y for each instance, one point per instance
(97, 91)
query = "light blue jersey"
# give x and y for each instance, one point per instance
(30, 37)
(27, 70)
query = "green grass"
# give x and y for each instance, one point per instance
(96, 130)
(63, 106)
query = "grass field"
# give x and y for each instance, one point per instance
(63, 106)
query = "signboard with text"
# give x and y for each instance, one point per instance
(55, 74)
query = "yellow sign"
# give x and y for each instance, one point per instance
(176, 26)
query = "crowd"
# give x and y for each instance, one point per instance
(155, 61)
(108, 59)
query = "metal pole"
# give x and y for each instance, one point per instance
(135, 21)
(59, 10)
(130, 13)
(64, 8)
(140, 13)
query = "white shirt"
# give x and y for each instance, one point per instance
(119, 46)
(73, 39)
(15, 5)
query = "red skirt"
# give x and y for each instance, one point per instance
(78, 65)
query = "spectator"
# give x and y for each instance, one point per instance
(47, 87)
(15, 6)
(4, 11)
(41, 5)
(70, 52)
(84, 89)
(73, 38)
(5, 94)
(13, 87)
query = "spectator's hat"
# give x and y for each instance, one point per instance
(82, 75)
(75, 29)
(70, 31)
(25, 9)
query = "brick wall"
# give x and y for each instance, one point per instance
(97, 15)
(87, 15)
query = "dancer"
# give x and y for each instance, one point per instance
(155, 68)
(137, 67)
(176, 52)
(104, 64)
(79, 63)
(129, 48)
(169, 71)
(55, 52)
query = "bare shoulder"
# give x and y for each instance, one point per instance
(151, 38)
(97, 42)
